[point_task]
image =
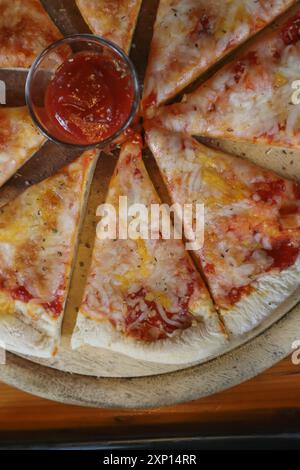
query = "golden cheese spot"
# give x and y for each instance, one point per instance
(229, 191)
(142, 250)
(127, 279)
(240, 15)
(50, 204)
(160, 297)
(7, 306)
(279, 80)
(141, 271)
(33, 311)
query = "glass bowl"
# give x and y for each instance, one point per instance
(43, 71)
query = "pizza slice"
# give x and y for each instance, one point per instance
(19, 140)
(191, 35)
(250, 99)
(250, 256)
(25, 31)
(112, 19)
(38, 239)
(144, 297)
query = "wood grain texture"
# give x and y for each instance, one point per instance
(268, 402)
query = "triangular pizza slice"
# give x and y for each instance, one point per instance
(25, 31)
(19, 139)
(191, 35)
(38, 239)
(144, 297)
(112, 19)
(250, 256)
(251, 98)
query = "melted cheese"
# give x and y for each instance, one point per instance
(249, 99)
(25, 30)
(241, 228)
(112, 19)
(191, 35)
(19, 139)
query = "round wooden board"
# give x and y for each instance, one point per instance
(95, 377)
(159, 390)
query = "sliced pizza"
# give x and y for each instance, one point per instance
(250, 256)
(38, 239)
(19, 139)
(144, 297)
(192, 35)
(112, 19)
(25, 31)
(250, 99)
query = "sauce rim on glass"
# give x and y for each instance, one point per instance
(82, 40)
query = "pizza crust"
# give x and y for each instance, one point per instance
(199, 342)
(271, 290)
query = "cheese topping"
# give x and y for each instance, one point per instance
(191, 35)
(19, 139)
(252, 216)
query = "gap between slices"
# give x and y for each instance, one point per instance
(250, 256)
(144, 298)
(250, 98)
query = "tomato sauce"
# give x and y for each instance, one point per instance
(203, 26)
(284, 254)
(56, 306)
(209, 269)
(290, 32)
(268, 190)
(296, 189)
(237, 293)
(154, 327)
(289, 209)
(21, 293)
(89, 99)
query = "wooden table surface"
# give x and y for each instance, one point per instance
(268, 403)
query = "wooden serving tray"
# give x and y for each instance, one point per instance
(97, 377)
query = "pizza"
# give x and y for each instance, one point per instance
(112, 19)
(249, 99)
(38, 239)
(19, 139)
(25, 31)
(250, 256)
(144, 297)
(192, 35)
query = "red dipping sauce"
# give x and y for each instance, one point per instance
(89, 99)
